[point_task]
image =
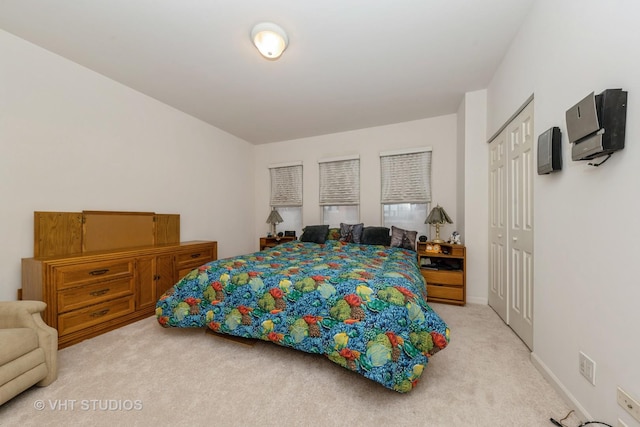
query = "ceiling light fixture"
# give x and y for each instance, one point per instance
(270, 39)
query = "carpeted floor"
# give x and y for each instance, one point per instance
(146, 375)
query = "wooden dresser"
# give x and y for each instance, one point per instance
(100, 270)
(91, 293)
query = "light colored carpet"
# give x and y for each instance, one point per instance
(143, 374)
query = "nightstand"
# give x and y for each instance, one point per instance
(444, 272)
(269, 242)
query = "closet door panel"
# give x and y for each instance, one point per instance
(511, 224)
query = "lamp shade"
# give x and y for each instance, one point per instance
(274, 217)
(270, 39)
(438, 216)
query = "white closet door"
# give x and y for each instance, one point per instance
(511, 225)
(498, 226)
(520, 145)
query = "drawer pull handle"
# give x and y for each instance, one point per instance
(99, 272)
(100, 292)
(195, 255)
(100, 313)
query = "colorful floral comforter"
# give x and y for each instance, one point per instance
(362, 306)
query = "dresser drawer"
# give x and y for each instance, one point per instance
(184, 272)
(74, 298)
(445, 292)
(443, 277)
(83, 318)
(194, 258)
(74, 275)
(187, 261)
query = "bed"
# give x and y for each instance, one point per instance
(362, 306)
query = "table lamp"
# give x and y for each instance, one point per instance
(438, 217)
(273, 219)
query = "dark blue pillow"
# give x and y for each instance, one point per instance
(315, 233)
(376, 236)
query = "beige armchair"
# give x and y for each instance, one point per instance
(28, 348)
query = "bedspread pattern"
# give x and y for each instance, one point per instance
(362, 306)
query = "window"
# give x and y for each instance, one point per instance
(340, 190)
(409, 216)
(406, 188)
(334, 215)
(291, 219)
(286, 195)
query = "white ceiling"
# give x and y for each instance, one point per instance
(350, 64)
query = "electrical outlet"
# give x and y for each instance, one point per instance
(587, 368)
(629, 404)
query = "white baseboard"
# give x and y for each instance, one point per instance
(477, 300)
(559, 387)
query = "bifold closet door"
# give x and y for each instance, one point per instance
(511, 224)
(498, 226)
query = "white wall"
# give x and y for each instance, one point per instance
(461, 136)
(473, 187)
(439, 133)
(586, 218)
(73, 140)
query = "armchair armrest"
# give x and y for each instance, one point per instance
(26, 314)
(19, 314)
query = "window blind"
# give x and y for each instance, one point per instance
(286, 185)
(340, 182)
(406, 177)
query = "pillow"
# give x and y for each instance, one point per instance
(334, 234)
(315, 233)
(351, 233)
(376, 236)
(403, 239)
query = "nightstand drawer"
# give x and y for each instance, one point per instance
(445, 292)
(74, 298)
(457, 251)
(443, 277)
